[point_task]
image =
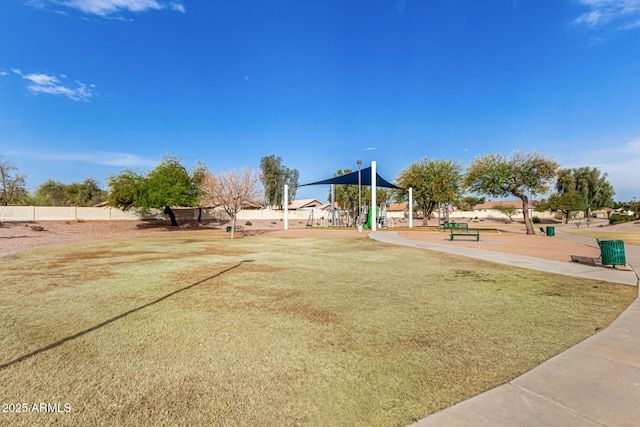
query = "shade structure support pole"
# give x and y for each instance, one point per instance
(374, 223)
(333, 205)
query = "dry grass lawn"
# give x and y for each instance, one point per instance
(274, 331)
(629, 237)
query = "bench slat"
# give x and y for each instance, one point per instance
(467, 233)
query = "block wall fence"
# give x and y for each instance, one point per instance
(74, 213)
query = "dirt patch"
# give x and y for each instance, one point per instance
(17, 238)
(514, 242)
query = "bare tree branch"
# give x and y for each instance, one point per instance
(233, 190)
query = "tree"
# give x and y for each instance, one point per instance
(507, 210)
(233, 190)
(523, 173)
(633, 206)
(125, 190)
(169, 184)
(433, 182)
(346, 196)
(55, 193)
(51, 193)
(86, 193)
(274, 177)
(467, 203)
(594, 188)
(12, 184)
(567, 202)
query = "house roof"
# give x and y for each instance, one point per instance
(305, 203)
(491, 205)
(397, 207)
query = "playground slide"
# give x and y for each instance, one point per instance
(370, 218)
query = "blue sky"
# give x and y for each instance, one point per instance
(91, 87)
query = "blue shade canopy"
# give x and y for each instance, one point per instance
(352, 179)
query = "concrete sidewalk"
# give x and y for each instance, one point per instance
(595, 383)
(626, 277)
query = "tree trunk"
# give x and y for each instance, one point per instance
(525, 214)
(199, 214)
(425, 216)
(172, 216)
(566, 216)
(233, 226)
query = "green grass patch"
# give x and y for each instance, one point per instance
(269, 331)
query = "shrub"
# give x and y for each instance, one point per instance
(248, 223)
(619, 219)
(535, 220)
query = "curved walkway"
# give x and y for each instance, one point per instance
(595, 383)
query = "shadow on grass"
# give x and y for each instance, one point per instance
(113, 319)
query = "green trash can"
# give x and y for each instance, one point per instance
(551, 231)
(228, 229)
(612, 252)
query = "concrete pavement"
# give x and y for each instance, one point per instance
(595, 383)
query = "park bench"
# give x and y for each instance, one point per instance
(466, 233)
(456, 226)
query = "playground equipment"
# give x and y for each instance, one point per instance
(342, 219)
(382, 219)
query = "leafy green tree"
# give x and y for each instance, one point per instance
(567, 203)
(467, 203)
(590, 183)
(125, 190)
(507, 210)
(633, 206)
(274, 177)
(168, 184)
(12, 184)
(347, 195)
(86, 193)
(521, 174)
(56, 193)
(433, 182)
(51, 193)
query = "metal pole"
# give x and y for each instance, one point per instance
(373, 196)
(359, 192)
(333, 205)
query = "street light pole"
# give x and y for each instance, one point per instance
(359, 162)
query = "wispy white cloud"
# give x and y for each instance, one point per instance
(623, 14)
(110, 7)
(3, 73)
(620, 163)
(44, 83)
(17, 71)
(105, 158)
(369, 149)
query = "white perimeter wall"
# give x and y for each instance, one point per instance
(73, 213)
